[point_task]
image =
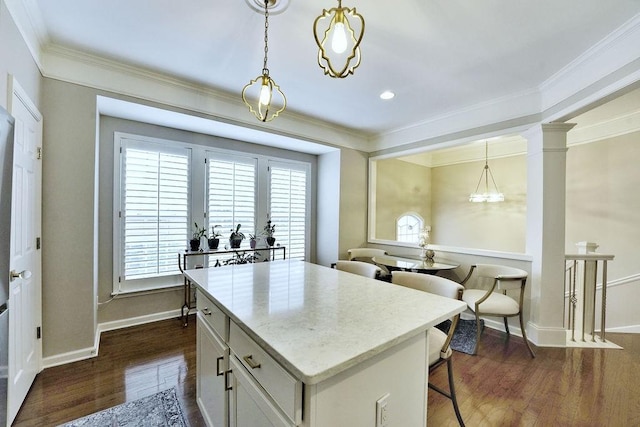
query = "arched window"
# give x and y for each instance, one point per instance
(408, 227)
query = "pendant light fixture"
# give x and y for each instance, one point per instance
(487, 196)
(262, 95)
(338, 41)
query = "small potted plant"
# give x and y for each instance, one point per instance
(268, 231)
(252, 241)
(198, 232)
(214, 238)
(236, 237)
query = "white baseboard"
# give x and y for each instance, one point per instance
(140, 320)
(541, 337)
(631, 329)
(72, 356)
(89, 352)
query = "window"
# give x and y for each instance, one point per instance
(232, 193)
(408, 228)
(153, 213)
(288, 205)
(159, 194)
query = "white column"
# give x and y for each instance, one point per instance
(546, 188)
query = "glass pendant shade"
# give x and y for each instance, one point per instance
(486, 196)
(338, 33)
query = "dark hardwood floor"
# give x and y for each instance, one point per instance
(502, 386)
(131, 363)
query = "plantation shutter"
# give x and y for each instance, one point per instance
(288, 206)
(232, 195)
(154, 210)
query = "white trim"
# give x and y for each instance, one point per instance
(76, 67)
(28, 18)
(629, 329)
(14, 89)
(90, 352)
(516, 256)
(546, 337)
(139, 320)
(634, 278)
(629, 280)
(608, 66)
(70, 357)
(612, 53)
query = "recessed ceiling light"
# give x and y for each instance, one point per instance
(387, 94)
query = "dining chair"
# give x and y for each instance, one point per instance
(358, 267)
(439, 343)
(366, 255)
(494, 301)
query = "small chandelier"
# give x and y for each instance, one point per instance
(343, 55)
(267, 100)
(486, 196)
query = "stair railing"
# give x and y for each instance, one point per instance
(581, 285)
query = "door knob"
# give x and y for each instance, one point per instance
(24, 274)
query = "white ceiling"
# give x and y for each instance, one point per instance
(438, 56)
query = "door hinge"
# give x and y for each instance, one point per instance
(38, 332)
(37, 243)
(39, 153)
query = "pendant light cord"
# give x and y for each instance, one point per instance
(265, 70)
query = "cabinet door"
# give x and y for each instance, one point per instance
(250, 406)
(212, 362)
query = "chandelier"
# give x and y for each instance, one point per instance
(262, 95)
(490, 196)
(338, 42)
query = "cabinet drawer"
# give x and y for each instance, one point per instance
(283, 388)
(213, 316)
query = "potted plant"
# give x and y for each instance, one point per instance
(236, 237)
(268, 231)
(198, 232)
(252, 241)
(214, 238)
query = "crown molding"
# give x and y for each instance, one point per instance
(613, 53)
(512, 108)
(76, 67)
(607, 67)
(27, 17)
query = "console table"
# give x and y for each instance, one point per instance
(273, 253)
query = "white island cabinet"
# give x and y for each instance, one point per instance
(289, 343)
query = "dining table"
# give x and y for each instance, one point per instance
(428, 266)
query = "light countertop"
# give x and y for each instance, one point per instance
(317, 321)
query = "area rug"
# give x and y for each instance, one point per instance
(464, 338)
(158, 410)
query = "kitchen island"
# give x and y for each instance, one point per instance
(296, 344)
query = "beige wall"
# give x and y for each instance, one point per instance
(328, 202)
(603, 206)
(68, 264)
(603, 199)
(352, 231)
(401, 187)
(492, 226)
(16, 60)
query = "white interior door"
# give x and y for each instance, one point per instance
(25, 287)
